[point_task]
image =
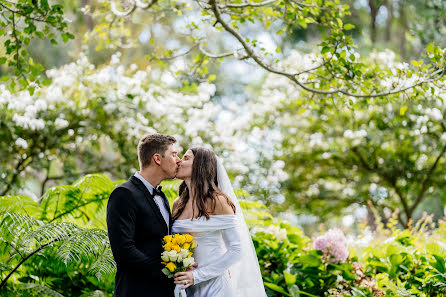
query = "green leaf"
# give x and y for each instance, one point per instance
(430, 47)
(276, 288)
(417, 63)
(348, 275)
(339, 22)
(396, 259)
(290, 279)
(325, 49)
(349, 26)
(440, 264)
(403, 110)
(310, 261)
(212, 77)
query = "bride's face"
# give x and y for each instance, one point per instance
(185, 167)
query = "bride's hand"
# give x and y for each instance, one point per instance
(184, 278)
(193, 267)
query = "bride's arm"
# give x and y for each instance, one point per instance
(231, 238)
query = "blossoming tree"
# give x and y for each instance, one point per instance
(90, 120)
(390, 152)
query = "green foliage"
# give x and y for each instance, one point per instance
(46, 244)
(51, 249)
(23, 21)
(75, 126)
(80, 203)
(409, 262)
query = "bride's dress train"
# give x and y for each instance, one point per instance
(218, 247)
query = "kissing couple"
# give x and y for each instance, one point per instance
(139, 216)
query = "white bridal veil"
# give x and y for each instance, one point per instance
(245, 275)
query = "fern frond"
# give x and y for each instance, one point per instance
(38, 290)
(248, 204)
(74, 203)
(20, 204)
(170, 188)
(97, 293)
(14, 224)
(83, 245)
(95, 184)
(104, 265)
(22, 237)
(53, 200)
(49, 232)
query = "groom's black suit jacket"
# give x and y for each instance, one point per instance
(135, 229)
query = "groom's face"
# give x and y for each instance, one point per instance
(170, 161)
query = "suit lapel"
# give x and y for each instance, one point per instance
(166, 204)
(150, 199)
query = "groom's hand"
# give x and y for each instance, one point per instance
(193, 267)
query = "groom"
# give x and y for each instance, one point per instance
(138, 217)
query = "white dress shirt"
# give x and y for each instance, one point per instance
(158, 199)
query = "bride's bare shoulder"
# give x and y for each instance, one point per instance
(223, 206)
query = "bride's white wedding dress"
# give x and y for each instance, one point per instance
(227, 261)
(218, 247)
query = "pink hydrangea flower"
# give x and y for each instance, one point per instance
(334, 244)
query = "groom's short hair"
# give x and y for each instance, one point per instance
(153, 144)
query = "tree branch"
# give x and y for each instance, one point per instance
(426, 181)
(42, 20)
(19, 168)
(247, 4)
(179, 55)
(292, 76)
(217, 56)
(133, 5)
(26, 258)
(121, 13)
(390, 180)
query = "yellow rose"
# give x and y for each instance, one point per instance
(181, 239)
(190, 254)
(186, 246)
(176, 248)
(173, 241)
(193, 244)
(189, 238)
(167, 246)
(167, 238)
(171, 266)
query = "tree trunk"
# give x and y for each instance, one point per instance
(370, 218)
(87, 18)
(403, 22)
(374, 7)
(389, 6)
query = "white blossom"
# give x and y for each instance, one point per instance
(22, 143)
(61, 123)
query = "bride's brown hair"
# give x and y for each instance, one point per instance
(204, 185)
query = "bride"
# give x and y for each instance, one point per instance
(208, 209)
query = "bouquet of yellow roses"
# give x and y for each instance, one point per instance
(177, 254)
